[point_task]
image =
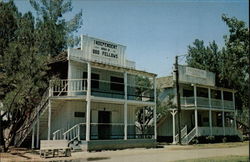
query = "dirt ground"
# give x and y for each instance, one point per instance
(166, 153)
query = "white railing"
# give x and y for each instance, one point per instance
(216, 103)
(73, 133)
(187, 101)
(189, 136)
(57, 135)
(101, 88)
(203, 131)
(183, 133)
(204, 102)
(218, 131)
(68, 87)
(228, 104)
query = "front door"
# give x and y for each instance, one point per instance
(104, 127)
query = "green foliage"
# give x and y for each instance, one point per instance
(24, 47)
(230, 64)
(54, 33)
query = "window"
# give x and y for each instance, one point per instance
(117, 84)
(228, 96)
(94, 79)
(188, 93)
(80, 114)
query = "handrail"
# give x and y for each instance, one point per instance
(73, 133)
(190, 135)
(183, 133)
(56, 134)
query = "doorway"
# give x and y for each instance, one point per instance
(104, 127)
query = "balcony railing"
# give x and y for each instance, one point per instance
(217, 131)
(204, 102)
(100, 88)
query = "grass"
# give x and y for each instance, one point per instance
(219, 159)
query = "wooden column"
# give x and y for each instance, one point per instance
(125, 106)
(49, 119)
(195, 111)
(235, 124)
(33, 137)
(173, 112)
(88, 99)
(210, 112)
(223, 112)
(155, 99)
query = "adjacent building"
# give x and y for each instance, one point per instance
(206, 110)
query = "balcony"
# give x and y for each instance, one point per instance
(100, 88)
(204, 103)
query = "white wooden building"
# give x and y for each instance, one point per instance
(95, 101)
(206, 110)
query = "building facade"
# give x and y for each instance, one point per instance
(95, 100)
(206, 110)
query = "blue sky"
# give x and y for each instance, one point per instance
(154, 31)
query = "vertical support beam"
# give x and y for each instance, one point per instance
(195, 96)
(37, 131)
(223, 112)
(88, 99)
(125, 106)
(33, 137)
(210, 111)
(81, 42)
(235, 124)
(195, 111)
(155, 99)
(173, 112)
(49, 120)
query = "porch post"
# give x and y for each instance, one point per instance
(155, 99)
(37, 131)
(49, 120)
(125, 107)
(210, 112)
(37, 128)
(88, 99)
(195, 111)
(223, 113)
(235, 123)
(33, 137)
(173, 112)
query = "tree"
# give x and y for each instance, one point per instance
(23, 69)
(236, 64)
(205, 57)
(230, 64)
(54, 33)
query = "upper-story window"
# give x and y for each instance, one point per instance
(117, 84)
(188, 93)
(228, 96)
(202, 92)
(94, 79)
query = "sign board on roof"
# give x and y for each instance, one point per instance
(103, 51)
(196, 72)
(195, 76)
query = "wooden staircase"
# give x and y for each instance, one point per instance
(28, 124)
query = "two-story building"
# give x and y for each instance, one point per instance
(206, 110)
(95, 100)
